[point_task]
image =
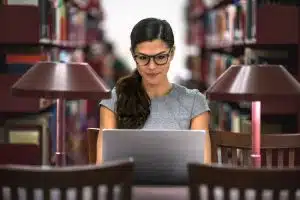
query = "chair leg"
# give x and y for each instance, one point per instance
(126, 192)
(194, 192)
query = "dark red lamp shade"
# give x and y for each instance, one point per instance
(254, 83)
(61, 80)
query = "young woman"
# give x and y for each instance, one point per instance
(146, 99)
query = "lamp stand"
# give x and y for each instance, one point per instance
(60, 133)
(256, 131)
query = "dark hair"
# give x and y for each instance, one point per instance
(133, 103)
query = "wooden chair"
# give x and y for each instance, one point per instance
(92, 136)
(276, 149)
(31, 178)
(220, 182)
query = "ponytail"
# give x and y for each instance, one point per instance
(133, 103)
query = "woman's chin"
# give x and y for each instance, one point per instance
(152, 81)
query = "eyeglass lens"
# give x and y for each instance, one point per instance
(160, 59)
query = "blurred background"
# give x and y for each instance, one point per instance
(210, 36)
(118, 30)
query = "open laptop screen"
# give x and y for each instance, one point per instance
(160, 156)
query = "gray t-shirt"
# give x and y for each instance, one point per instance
(172, 111)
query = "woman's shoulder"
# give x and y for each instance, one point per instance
(110, 102)
(192, 98)
(184, 92)
(113, 93)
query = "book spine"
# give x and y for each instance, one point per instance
(44, 27)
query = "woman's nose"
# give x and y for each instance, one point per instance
(152, 64)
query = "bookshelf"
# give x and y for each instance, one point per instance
(37, 30)
(226, 32)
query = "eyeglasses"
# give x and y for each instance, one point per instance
(159, 59)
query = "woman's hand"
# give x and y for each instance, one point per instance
(107, 121)
(201, 122)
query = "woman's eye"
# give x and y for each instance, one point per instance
(142, 57)
(161, 57)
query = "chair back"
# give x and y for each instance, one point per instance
(233, 182)
(235, 148)
(92, 136)
(66, 179)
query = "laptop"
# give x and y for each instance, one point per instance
(160, 156)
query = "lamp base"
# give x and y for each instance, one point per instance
(256, 160)
(60, 158)
(256, 133)
(60, 133)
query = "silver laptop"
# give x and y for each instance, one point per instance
(160, 156)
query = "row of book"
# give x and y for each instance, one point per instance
(213, 64)
(196, 8)
(236, 117)
(63, 22)
(234, 23)
(76, 111)
(216, 64)
(231, 24)
(212, 25)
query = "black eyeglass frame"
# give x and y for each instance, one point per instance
(153, 57)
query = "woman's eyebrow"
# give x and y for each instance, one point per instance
(153, 54)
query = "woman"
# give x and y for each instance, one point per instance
(146, 99)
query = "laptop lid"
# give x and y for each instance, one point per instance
(160, 156)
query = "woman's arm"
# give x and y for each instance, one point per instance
(107, 121)
(201, 122)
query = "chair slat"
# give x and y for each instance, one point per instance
(226, 193)
(269, 160)
(211, 192)
(79, 193)
(291, 157)
(63, 194)
(224, 153)
(109, 192)
(30, 193)
(276, 147)
(280, 158)
(1, 193)
(95, 192)
(65, 179)
(245, 156)
(244, 178)
(234, 152)
(258, 194)
(276, 195)
(194, 192)
(248, 158)
(46, 194)
(292, 194)
(14, 193)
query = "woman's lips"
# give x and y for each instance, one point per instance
(152, 74)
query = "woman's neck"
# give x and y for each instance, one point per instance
(158, 90)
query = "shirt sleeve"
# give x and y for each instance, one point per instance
(200, 104)
(110, 103)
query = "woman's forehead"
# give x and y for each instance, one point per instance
(152, 47)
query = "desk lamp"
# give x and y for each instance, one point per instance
(61, 81)
(255, 83)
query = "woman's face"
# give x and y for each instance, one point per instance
(153, 61)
